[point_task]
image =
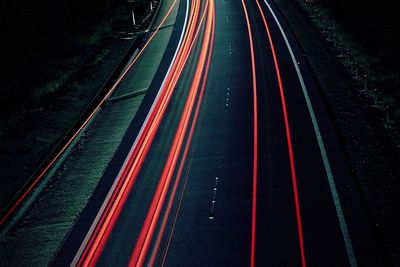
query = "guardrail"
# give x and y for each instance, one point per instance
(74, 131)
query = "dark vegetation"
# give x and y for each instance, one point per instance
(47, 50)
(41, 37)
(35, 35)
(370, 127)
(374, 25)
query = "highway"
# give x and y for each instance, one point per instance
(231, 160)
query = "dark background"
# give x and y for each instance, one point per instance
(36, 32)
(32, 30)
(374, 24)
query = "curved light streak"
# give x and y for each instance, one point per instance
(35, 182)
(145, 238)
(289, 140)
(255, 142)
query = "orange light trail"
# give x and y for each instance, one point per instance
(186, 150)
(30, 188)
(155, 250)
(114, 206)
(141, 248)
(255, 142)
(103, 229)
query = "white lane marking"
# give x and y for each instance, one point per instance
(214, 199)
(324, 155)
(227, 94)
(227, 19)
(103, 206)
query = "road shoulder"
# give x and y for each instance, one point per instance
(56, 209)
(369, 164)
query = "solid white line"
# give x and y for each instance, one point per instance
(324, 155)
(103, 206)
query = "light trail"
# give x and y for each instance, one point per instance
(155, 250)
(255, 142)
(186, 150)
(321, 145)
(145, 238)
(103, 229)
(129, 173)
(30, 188)
(288, 138)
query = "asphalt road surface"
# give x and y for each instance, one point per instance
(230, 161)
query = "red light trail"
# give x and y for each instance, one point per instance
(140, 251)
(39, 178)
(288, 138)
(255, 142)
(99, 237)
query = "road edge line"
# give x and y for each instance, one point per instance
(324, 155)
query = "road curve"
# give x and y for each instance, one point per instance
(232, 161)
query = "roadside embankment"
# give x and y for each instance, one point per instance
(363, 139)
(36, 237)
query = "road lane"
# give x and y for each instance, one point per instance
(229, 170)
(110, 221)
(255, 142)
(310, 165)
(278, 239)
(333, 173)
(222, 151)
(86, 217)
(275, 106)
(139, 254)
